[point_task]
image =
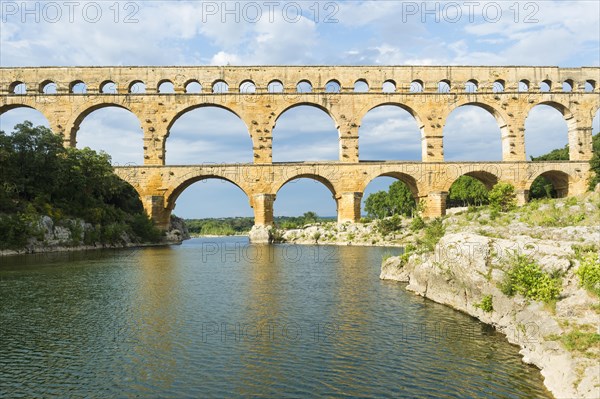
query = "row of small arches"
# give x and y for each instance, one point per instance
(304, 86)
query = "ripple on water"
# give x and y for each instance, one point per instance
(219, 318)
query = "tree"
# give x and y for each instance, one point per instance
(466, 191)
(502, 197)
(398, 200)
(376, 205)
(310, 217)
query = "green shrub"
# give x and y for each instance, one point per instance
(417, 223)
(589, 272)
(486, 304)
(502, 197)
(144, 229)
(389, 225)
(527, 278)
(433, 232)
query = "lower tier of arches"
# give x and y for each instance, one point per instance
(160, 186)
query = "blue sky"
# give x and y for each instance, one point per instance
(562, 33)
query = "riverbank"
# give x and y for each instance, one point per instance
(519, 273)
(70, 236)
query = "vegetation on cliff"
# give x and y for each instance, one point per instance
(40, 177)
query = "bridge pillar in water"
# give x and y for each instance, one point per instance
(435, 204)
(263, 209)
(348, 207)
(155, 208)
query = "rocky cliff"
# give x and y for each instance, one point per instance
(482, 264)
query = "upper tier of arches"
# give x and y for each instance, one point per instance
(333, 80)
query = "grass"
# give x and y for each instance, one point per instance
(578, 340)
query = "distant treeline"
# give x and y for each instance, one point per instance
(242, 225)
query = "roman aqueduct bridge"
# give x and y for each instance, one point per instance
(260, 95)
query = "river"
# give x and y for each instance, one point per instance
(217, 317)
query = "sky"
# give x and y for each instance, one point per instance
(101, 33)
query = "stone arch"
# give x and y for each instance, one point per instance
(545, 86)
(165, 86)
(404, 107)
(304, 86)
(361, 86)
(569, 118)
(77, 87)
(275, 86)
(220, 86)
(47, 87)
(107, 86)
(136, 87)
(523, 85)
(247, 87)
(500, 116)
(405, 178)
(560, 181)
(309, 104)
(190, 84)
(10, 107)
(17, 86)
(471, 86)
(175, 191)
(589, 86)
(416, 86)
(75, 123)
(498, 86)
(488, 179)
(283, 139)
(568, 85)
(19, 119)
(389, 86)
(333, 86)
(179, 113)
(307, 175)
(444, 86)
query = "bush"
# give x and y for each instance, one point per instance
(486, 304)
(433, 232)
(527, 278)
(417, 223)
(589, 272)
(502, 197)
(389, 225)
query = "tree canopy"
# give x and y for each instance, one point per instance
(39, 176)
(398, 200)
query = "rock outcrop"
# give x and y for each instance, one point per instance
(468, 268)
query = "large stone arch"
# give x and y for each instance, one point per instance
(179, 112)
(80, 115)
(560, 181)
(406, 107)
(411, 182)
(502, 120)
(176, 190)
(182, 110)
(306, 175)
(488, 178)
(579, 129)
(328, 111)
(9, 107)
